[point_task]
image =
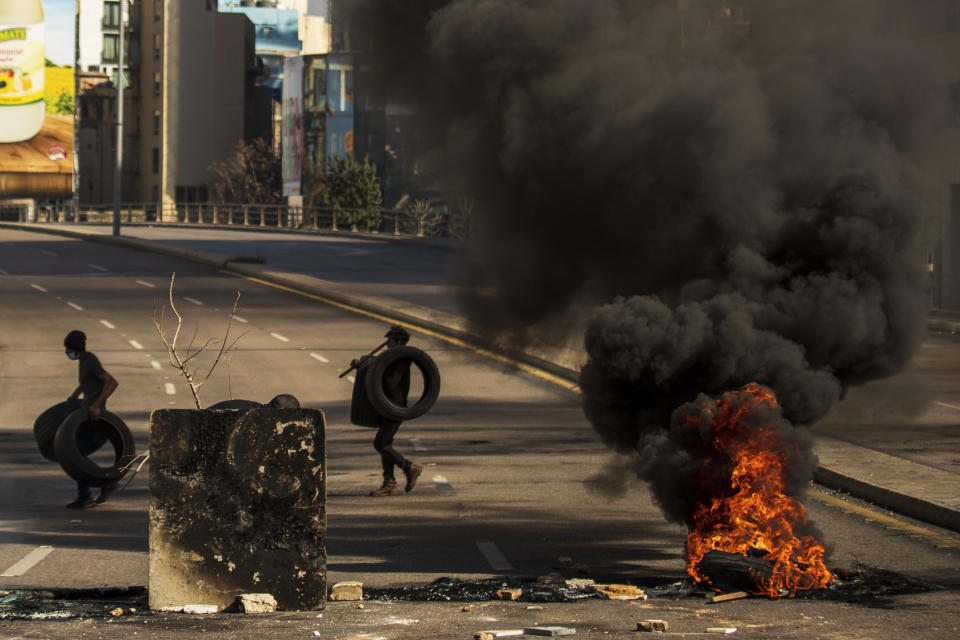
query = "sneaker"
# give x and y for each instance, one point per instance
(106, 492)
(82, 503)
(412, 474)
(386, 489)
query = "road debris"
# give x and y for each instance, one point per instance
(549, 631)
(534, 607)
(620, 592)
(346, 591)
(652, 625)
(725, 630)
(203, 609)
(493, 635)
(734, 595)
(116, 613)
(467, 608)
(256, 603)
(509, 594)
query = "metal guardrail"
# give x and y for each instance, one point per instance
(438, 223)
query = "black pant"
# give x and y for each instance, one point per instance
(383, 443)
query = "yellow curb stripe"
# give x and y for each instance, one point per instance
(526, 368)
(940, 540)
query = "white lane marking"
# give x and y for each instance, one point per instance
(27, 562)
(493, 555)
(146, 284)
(169, 388)
(280, 337)
(317, 356)
(417, 445)
(154, 364)
(135, 344)
(107, 324)
(948, 406)
(193, 300)
(75, 306)
(38, 287)
(351, 379)
(50, 253)
(97, 267)
(239, 319)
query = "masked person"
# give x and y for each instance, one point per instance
(396, 386)
(96, 385)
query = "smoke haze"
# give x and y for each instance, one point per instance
(746, 207)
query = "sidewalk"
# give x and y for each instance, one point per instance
(909, 487)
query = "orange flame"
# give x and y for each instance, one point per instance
(757, 517)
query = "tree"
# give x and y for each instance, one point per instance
(352, 189)
(250, 175)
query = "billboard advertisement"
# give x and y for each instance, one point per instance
(36, 98)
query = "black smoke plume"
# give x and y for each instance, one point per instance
(742, 188)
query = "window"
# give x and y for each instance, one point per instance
(110, 48)
(157, 9)
(156, 122)
(111, 15)
(156, 83)
(154, 193)
(156, 45)
(155, 160)
(93, 67)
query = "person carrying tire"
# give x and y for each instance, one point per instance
(396, 386)
(96, 385)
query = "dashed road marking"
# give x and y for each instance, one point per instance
(442, 483)
(97, 267)
(107, 324)
(154, 364)
(146, 284)
(494, 556)
(280, 337)
(193, 300)
(50, 253)
(135, 344)
(169, 388)
(27, 562)
(239, 319)
(38, 287)
(947, 405)
(74, 305)
(417, 445)
(317, 356)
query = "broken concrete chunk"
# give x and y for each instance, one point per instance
(509, 594)
(347, 591)
(256, 603)
(579, 583)
(620, 592)
(727, 630)
(652, 625)
(549, 631)
(493, 635)
(200, 608)
(733, 595)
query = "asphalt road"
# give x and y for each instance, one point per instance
(508, 457)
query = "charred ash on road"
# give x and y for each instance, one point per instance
(744, 201)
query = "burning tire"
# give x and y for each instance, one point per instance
(374, 383)
(362, 412)
(72, 449)
(46, 425)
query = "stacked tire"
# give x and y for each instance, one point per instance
(370, 402)
(66, 433)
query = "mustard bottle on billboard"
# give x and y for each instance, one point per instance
(21, 69)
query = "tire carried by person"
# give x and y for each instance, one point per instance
(72, 454)
(362, 412)
(46, 425)
(377, 394)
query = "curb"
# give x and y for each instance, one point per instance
(454, 327)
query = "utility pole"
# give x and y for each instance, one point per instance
(118, 169)
(76, 113)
